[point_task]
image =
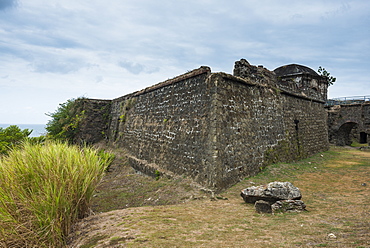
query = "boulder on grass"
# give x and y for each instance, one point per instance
(288, 206)
(272, 192)
(263, 207)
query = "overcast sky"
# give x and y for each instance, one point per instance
(52, 51)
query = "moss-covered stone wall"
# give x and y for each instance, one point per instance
(215, 127)
(257, 125)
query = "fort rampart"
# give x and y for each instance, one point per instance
(216, 128)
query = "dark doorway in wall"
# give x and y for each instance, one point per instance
(363, 138)
(296, 124)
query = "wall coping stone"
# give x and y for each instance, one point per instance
(196, 72)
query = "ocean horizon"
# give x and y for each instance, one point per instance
(37, 129)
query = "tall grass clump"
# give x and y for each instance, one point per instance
(44, 188)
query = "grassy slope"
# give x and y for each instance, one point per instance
(331, 185)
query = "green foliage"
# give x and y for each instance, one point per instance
(37, 140)
(122, 118)
(66, 120)
(157, 175)
(106, 156)
(44, 188)
(11, 137)
(325, 73)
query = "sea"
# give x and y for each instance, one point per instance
(37, 129)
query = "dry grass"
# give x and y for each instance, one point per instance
(122, 187)
(332, 189)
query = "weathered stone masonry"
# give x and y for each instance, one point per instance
(219, 128)
(347, 119)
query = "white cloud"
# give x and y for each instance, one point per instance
(63, 49)
(57, 65)
(137, 68)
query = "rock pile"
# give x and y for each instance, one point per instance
(274, 197)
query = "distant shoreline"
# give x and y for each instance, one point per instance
(38, 129)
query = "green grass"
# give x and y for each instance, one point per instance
(44, 188)
(357, 144)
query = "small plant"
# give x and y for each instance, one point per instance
(323, 72)
(122, 118)
(157, 175)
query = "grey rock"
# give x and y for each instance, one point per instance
(263, 207)
(288, 206)
(271, 192)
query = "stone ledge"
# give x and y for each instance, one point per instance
(150, 169)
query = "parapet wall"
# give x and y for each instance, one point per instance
(167, 127)
(216, 128)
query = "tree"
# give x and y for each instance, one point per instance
(65, 120)
(11, 137)
(323, 72)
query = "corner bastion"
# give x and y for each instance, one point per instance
(215, 128)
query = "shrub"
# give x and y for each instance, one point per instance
(65, 120)
(44, 188)
(11, 137)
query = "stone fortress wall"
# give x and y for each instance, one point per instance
(348, 122)
(216, 128)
